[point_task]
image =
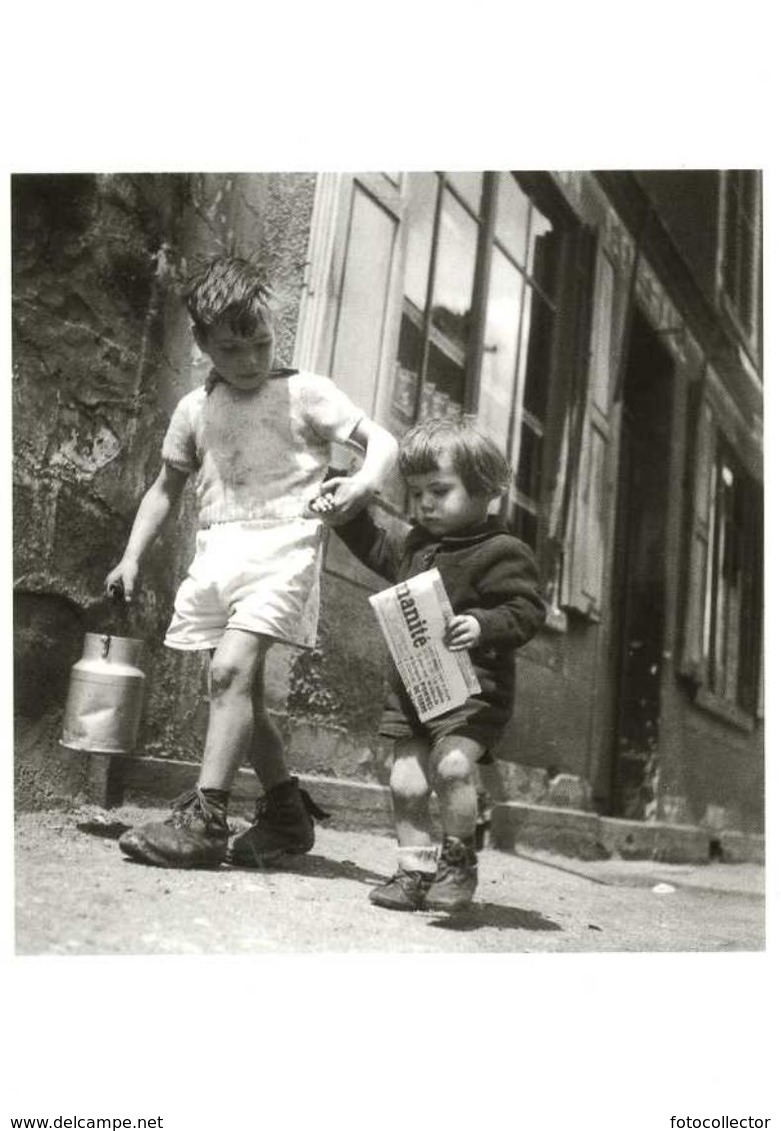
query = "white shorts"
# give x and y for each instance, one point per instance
(263, 577)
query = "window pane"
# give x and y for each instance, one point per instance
(736, 602)
(443, 389)
(535, 394)
(420, 201)
(469, 186)
(512, 217)
(500, 347)
(361, 316)
(529, 475)
(410, 356)
(518, 393)
(751, 641)
(452, 301)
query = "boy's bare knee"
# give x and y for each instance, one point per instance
(453, 766)
(226, 676)
(407, 782)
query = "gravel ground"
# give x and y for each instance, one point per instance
(76, 894)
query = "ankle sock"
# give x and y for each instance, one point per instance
(418, 858)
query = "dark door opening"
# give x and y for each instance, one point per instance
(640, 570)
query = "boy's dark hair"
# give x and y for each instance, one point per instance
(228, 290)
(478, 461)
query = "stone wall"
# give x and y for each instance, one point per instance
(101, 353)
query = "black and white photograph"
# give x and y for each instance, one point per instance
(388, 627)
(245, 405)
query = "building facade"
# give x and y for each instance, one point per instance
(604, 328)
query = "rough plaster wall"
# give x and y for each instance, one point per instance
(341, 681)
(89, 289)
(717, 776)
(102, 352)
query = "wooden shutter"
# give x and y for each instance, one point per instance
(702, 478)
(584, 565)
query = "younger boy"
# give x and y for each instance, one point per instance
(453, 472)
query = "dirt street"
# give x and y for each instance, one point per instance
(76, 894)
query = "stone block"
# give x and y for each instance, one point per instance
(318, 749)
(520, 783)
(651, 840)
(629, 840)
(742, 848)
(568, 791)
(567, 831)
(675, 809)
(351, 804)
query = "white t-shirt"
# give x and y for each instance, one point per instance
(259, 454)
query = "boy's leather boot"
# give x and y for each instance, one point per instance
(194, 836)
(284, 825)
(456, 880)
(406, 891)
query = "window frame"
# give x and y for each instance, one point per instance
(324, 289)
(746, 324)
(730, 546)
(711, 443)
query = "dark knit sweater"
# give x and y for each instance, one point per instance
(487, 573)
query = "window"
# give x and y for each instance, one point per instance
(517, 346)
(477, 324)
(723, 639)
(740, 255)
(733, 609)
(437, 322)
(432, 294)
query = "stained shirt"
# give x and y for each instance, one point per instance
(258, 454)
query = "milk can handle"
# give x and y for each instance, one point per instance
(106, 642)
(117, 592)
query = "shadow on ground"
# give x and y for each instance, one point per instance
(109, 830)
(319, 867)
(477, 916)
(495, 915)
(323, 868)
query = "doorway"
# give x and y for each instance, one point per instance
(640, 589)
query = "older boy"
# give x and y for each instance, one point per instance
(257, 440)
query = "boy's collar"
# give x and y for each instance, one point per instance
(477, 533)
(215, 379)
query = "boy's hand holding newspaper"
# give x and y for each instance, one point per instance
(428, 643)
(462, 632)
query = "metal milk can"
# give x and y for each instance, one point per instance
(105, 696)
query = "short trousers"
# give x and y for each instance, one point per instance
(479, 719)
(259, 576)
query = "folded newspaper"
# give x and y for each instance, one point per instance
(413, 616)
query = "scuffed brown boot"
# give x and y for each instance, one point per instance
(284, 826)
(456, 880)
(406, 891)
(194, 836)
